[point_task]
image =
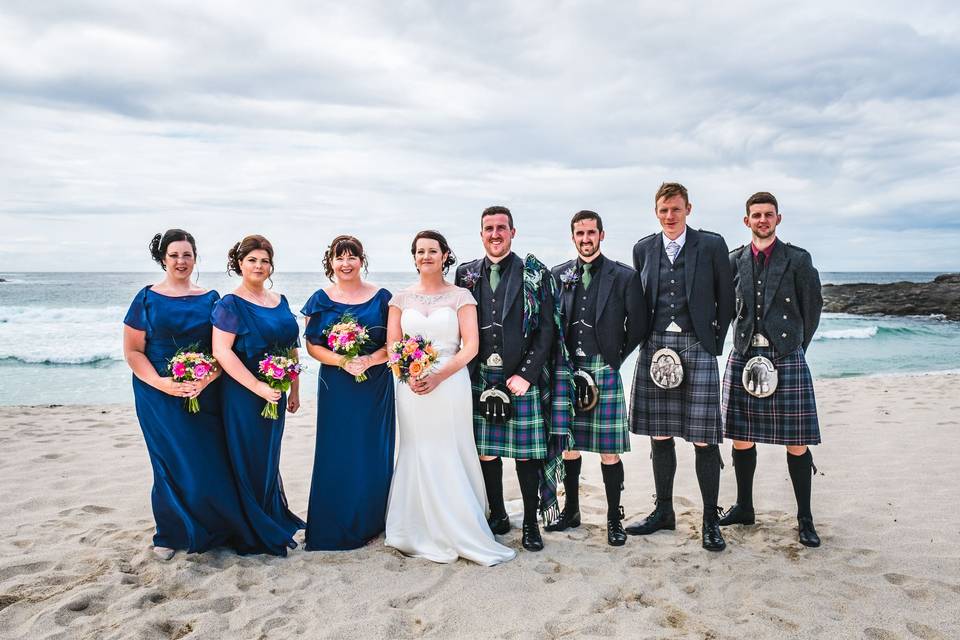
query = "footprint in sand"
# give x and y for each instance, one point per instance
(875, 633)
(7, 599)
(924, 632)
(21, 569)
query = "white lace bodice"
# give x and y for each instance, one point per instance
(433, 316)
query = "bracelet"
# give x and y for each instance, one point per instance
(343, 361)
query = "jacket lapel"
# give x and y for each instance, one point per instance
(745, 273)
(779, 261)
(691, 251)
(651, 269)
(512, 283)
(567, 296)
(606, 286)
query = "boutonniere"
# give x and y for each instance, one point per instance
(570, 278)
(470, 279)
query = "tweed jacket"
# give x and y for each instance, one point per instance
(708, 283)
(621, 320)
(792, 300)
(522, 356)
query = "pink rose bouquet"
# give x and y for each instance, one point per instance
(411, 357)
(279, 371)
(347, 337)
(191, 365)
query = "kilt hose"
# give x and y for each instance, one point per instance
(690, 411)
(787, 417)
(604, 428)
(524, 435)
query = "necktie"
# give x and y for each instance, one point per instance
(586, 274)
(761, 259)
(494, 276)
(672, 250)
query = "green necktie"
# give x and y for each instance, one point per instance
(586, 274)
(494, 277)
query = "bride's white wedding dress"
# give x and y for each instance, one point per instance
(437, 503)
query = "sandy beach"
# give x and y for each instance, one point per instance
(76, 526)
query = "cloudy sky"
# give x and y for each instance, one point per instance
(301, 120)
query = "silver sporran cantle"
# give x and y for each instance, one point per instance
(666, 369)
(587, 393)
(495, 405)
(759, 377)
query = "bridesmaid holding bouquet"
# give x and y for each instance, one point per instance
(195, 501)
(353, 462)
(248, 325)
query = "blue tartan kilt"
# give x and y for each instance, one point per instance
(788, 417)
(690, 411)
(604, 428)
(524, 436)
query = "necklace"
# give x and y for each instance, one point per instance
(350, 297)
(260, 299)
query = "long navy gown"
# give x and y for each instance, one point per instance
(253, 442)
(195, 501)
(353, 461)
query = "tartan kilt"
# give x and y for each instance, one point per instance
(604, 429)
(692, 410)
(524, 435)
(788, 417)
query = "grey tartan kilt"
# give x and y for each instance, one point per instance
(788, 417)
(524, 435)
(604, 428)
(692, 410)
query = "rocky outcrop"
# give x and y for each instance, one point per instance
(942, 296)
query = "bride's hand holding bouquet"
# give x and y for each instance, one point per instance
(411, 359)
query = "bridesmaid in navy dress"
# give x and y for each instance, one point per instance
(348, 493)
(248, 323)
(195, 502)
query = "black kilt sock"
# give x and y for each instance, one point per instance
(493, 482)
(745, 465)
(801, 474)
(528, 473)
(664, 456)
(571, 485)
(613, 484)
(708, 475)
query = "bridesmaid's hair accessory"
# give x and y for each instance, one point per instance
(429, 234)
(158, 245)
(244, 248)
(344, 245)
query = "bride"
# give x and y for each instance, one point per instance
(437, 504)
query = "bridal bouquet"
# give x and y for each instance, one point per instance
(347, 337)
(191, 365)
(278, 370)
(411, 357)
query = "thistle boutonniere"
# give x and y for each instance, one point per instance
(570, 278)
(470, 279)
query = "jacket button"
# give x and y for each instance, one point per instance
(523, 368)
(743, 335)
(783, 335)
(528, 362)
(784, 317)
(788, 299)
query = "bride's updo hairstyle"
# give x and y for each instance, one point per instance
(444, 247)
(158, 246)
(340, 246)
(244, 248)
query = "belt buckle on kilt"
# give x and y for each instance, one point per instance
(759, 340)
(494, 360)
(666, 368)
(586, 390)
(495, 406)
(759, 377)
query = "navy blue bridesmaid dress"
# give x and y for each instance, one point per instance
(353, 461)
(253, 442)
(195, 501)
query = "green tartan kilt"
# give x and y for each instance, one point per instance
(524, 435)
(604, 429)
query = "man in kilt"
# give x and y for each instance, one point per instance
(688, 288)
(778, 310)
(603, 314)
(515, 306)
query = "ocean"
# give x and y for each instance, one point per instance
(60, 334)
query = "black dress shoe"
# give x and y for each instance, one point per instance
(499, 525)
(662, 517)
(616, 536)
(808, 534)
(531, 537)
(737, 515)
(567, 520)
(712, 538)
